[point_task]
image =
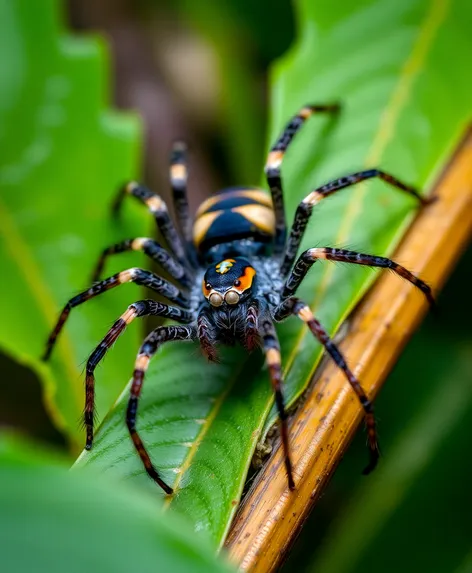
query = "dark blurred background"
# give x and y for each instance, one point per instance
(199, 71)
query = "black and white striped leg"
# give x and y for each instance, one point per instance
(161, 214)
(309, 257)
(305, 208)
(298, 307)
(135, 310)
(150, 346)
(273, 164)
(271, 348)
(135, 275)
(153, 250)
(178, 181)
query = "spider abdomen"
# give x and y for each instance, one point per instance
(233, 214)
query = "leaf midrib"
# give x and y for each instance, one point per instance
(203, 432)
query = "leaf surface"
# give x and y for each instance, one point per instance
(63, 154)
(55, 521)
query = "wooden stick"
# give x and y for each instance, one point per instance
(323, 427)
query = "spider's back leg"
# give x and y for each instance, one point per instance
(274, 162)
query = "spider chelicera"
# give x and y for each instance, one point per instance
(237, 276)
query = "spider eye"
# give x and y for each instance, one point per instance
(206, 288)
(216, 299)
(237, 282)
(232, 297)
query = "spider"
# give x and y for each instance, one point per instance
(237, 276)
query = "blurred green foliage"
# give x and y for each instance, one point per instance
(406, 101)
(63, 155)
(245, 36)
(53, 521)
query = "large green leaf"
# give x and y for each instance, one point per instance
(63, 154)
(396, 67)
(54, 521)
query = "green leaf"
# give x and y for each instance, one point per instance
(191, 420)
(201, 422)
(52, 520)
(63, 155)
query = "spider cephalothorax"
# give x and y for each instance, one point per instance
(229, 282)
(235, 275)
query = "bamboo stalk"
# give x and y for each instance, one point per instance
(324, 425)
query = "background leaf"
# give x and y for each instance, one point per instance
(392, 84)
(63, 155)
(55, 521)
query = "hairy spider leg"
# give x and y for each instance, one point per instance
(273, 164)
(271, 348)
(134, 275)
(178, 182)
(149, 347)
(135, 310)
(305, 208)
(161, 215)
(309, 257)
(298, 307)
(153, 250)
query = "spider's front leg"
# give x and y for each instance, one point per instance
(309, 257)
(149, 347)
(297, 307)
(274, 162)
(135, 310)
(292, 305)
(305, 208)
